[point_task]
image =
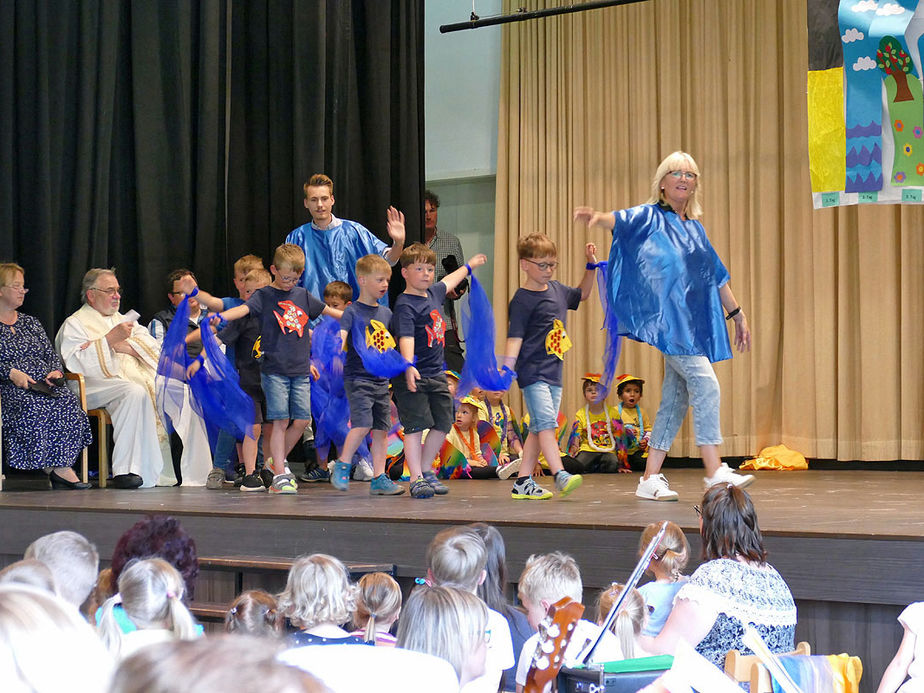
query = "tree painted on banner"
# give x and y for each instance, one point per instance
(906, 111)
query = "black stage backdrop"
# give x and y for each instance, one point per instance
(153, 135)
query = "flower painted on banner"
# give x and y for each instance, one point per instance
(920, 169)
(899, 176)
(907, 149)
(899, 125)
(918, 132)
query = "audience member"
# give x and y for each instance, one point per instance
(908, 661)
(31, 573)
(378, 605)
(255, 612)
(158, 536)
(72, 560)
(628, 623)
(666, 566)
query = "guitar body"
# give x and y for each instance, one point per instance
(555, 633)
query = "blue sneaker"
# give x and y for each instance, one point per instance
(316, 474)
(383, 486)
(439, 488)
(339, 475)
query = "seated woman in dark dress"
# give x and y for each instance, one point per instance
(733, 588)
(44, 426)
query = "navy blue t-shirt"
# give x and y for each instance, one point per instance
(361, 314)
(419, 317)
(532, 318)
(284, 317)
(243, 338)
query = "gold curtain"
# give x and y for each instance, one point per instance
(591, 102)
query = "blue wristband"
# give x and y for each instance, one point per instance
(469, 268)
(193, 293)
(200, 359)
(590, 266)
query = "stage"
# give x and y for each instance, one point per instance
(850, 544)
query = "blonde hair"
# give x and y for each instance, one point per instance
(378, 600)
(536, 245)
(151, 593)
(338, 290)
(247, 264)
(317, 180)
(672, 553)
(370, 264)
(444, 622)
(678, 161)
(628, 623)
(31, 572)
(289, 255)
(8, 270)
(456, 558)
(318, 590)
(258, 276)
(73, 561)
(254, 612)
(551, 576)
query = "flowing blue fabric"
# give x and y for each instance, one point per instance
(382, 364)
(611, 325)
(480, 366)
(329, 406)
(170, 381)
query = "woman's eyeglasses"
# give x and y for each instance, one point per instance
(698, 510)
(688, 175)
(16, 287)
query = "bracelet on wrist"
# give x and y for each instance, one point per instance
(733, 313)
(469, 268)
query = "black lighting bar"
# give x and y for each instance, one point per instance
(522, 15)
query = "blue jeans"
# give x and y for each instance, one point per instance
(287, 397)
(542, 402)
(688, 381)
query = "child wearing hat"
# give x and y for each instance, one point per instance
(465, 437)
(597, 440)
(635, 421)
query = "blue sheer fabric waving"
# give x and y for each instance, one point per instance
(376, 348)
(611, 325)
(329, 406)
(480, 366)
(170, 381)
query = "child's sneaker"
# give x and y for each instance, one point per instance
(283, 484)
(383, 486)
(508, 470)
(339, 475)
(526, 488)
(252, 482)
(266, 475)
(439, 488)
(655, 488)
(727, 475)
(316, 474)
(363, 471)
(421, 489)
(565, 483)
(215, 479)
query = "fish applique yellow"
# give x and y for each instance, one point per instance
(557, 341)
(378, 337)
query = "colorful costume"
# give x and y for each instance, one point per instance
(600, 439)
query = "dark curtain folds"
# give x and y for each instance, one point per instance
(151, 135)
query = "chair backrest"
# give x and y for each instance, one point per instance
(739, 666)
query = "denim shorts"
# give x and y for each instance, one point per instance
(542, 402)
(287, 397)
(429, 407)
(370, 403)
(689, 381)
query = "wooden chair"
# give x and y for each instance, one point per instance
(102, 438)
(747, 668)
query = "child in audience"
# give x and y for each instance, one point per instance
(456, 557)
(907, 662)
(536, 345)
(546, 579)
(317, 599)
(151, 594)
(284, 309)
(378, 605)
(503, 419)
(422, 394)
(254, 612)
(634, 419)
(367, 394)
(627, 625)
(597, 442)
(666, 567)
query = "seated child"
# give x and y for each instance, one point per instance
(666, 566)
(452, 382)
(254, 612)
(635, 421)
(628, 623)
(378, 605)
(597, 441)
(546, 579)
(466, 441)
(502, 418)
(318, 597)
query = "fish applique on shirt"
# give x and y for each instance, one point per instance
(378, 337)
(557, 341)
(436, 333)
(293, 318)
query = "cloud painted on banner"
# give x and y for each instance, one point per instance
(866, 6)
(852, 35)
(864, 63)
(890, 8)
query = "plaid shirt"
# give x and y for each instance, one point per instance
(445, 244)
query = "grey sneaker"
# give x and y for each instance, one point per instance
(339, 475)
(439, 488)
(383, 486)
(215, 479)
(283, 484)
(363, 471)
(508, 470)
(316, 474)
(565, 483)
(528, 489)
(421, 489)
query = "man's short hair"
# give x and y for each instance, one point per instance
(176, 275)
(90, 279)
(339, 290)
(318, 180)
(247, 264)
(536, 245)
(289, 255)
(372, 263)
(417, 252)
(260, 275)
(72, 560)
(432, 198)
(551, 576)
(456, 558)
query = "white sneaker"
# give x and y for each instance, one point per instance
(727, 475)
(363, 471)
(508, 470)
(655, 488)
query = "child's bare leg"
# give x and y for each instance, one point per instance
(549, 446)
(249, 450)
(278, 445)
(293, 435)
(530, 457)
(379, 451)
(412, 453)
(353, 440)
(431, 448)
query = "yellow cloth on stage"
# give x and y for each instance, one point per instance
(827, 133)
(777, 457)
